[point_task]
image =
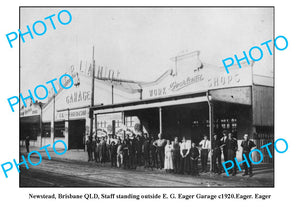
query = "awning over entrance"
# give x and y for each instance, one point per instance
(202, 113)
(30, 119)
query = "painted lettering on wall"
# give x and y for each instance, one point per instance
(175, 86)
(78, 113)
(29, 111)
(223, 80)
(78, 96)
(157, 92)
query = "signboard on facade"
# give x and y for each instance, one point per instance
(195, 77)
(101, 71)
(73, 114)
(77, 96)
(240, 95)
(30, 110)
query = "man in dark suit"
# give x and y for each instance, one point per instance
(126, 152)
(94, 148)
(139, 145)
(89, 148)
(132, 147)
(27, 143)
(247, 145)
(113, 147)
(153, 155)
(146, 150)
(176, 155)
(224, 142)
(232, 148)
(194, 155)
(160, 148)
(216, 152)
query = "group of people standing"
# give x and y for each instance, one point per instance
(228, 146)
(174, 156)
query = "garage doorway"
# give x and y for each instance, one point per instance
(76, 134)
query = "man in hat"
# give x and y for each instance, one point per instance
(224, 142)
(113, 148)
(247, 145)
(132, 152)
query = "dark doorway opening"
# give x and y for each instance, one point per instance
(76, 134)
(29, 126)
(187, 120)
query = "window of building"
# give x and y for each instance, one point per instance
(234, 124)
(118, 123)
(129, 121)
(59, 129)
(229, 124)
(102, 124)
(46, 130)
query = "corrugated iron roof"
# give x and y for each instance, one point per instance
(125, 85)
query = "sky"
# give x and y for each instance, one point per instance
(139, 42)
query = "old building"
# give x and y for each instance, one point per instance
(190, 99)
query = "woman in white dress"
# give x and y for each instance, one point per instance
(168, 157)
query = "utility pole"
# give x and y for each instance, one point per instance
(92, 98)
(41, 121)
(211, 125)
(54, 116)
(112, 93)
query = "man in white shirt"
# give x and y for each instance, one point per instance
(205, 146)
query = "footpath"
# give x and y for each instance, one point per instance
(261, 172)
